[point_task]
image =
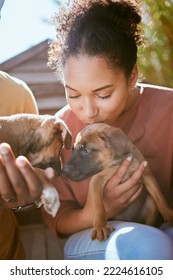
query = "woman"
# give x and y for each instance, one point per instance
(95, 55)
(97, 49)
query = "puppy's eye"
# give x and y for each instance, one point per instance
(84, 149)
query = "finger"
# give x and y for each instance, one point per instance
(133, 183)
(121, 171)
(49, 172)
(137, 193)
(6, 191)
(125, 200)
(136, 176)
(131, 193)
(32, 179)
(132, 187)
(14, 175)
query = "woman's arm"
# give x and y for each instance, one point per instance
(20, 182)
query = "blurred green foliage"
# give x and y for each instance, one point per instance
(155, 60)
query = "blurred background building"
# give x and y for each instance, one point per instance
(31, 67)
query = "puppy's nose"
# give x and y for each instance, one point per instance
(66, 170)
(70, 171)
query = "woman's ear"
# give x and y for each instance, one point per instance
(133, 78)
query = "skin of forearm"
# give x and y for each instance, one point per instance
(74, 220)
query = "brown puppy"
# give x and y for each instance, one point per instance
(40, 138)
(99, 149)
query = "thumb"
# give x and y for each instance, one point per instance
(49, 172)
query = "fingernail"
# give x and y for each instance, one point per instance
(129, 158)
(20, 161)
(145, 163)
(49, 172)
(3, 150)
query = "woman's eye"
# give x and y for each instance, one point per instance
(73, 96)
(104, 96)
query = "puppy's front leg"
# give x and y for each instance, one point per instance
(49, 197)
(155, 192)
(102, 229)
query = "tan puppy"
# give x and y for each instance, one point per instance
(40, 138)
(99, 149)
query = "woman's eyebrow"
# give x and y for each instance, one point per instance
(66, 86)
(104, 87)
(101, 88)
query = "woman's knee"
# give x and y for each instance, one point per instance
(168, 229)
(128, 241)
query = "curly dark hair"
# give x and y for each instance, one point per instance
(102, 28)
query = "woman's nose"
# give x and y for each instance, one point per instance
(90, 109)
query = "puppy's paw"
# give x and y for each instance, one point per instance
(50, 200)
(102, 233)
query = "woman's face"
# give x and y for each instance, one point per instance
(95, 91)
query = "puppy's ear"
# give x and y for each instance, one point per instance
(66, 134)
(54, 124)
(115, 139)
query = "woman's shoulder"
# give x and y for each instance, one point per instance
(155, 106)
(153, 90)
(156, 96)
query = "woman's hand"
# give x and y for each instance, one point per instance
(19, 183)
(117, 195)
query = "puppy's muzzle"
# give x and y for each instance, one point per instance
(77, 173)
(71, 172)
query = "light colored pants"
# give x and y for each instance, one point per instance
(129, 241)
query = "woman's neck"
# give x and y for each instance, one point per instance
(133, 97)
